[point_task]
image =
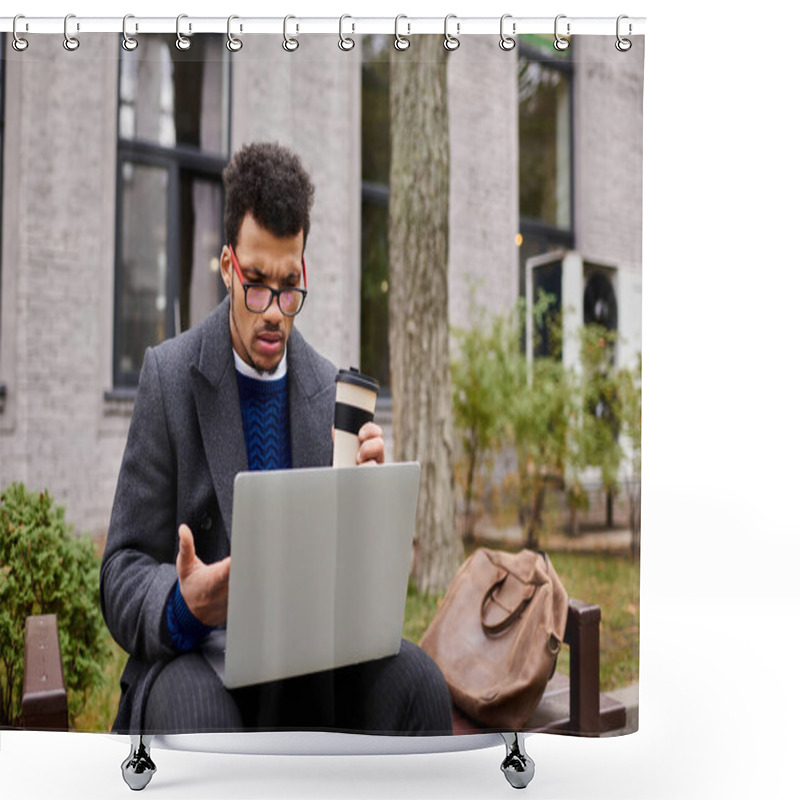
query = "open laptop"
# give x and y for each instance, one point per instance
(319, 570)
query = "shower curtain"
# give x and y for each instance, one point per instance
(504, 328)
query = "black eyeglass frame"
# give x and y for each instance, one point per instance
(274, 293)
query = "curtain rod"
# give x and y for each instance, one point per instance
(348, 25)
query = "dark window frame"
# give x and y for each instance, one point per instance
(546, 236)
(179, 161)
(550, 234)
(373, 193)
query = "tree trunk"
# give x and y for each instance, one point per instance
(573, 523)
(468, 536)
(422, 415)
(635, 518)
(535, 519)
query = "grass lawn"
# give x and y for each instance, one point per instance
(613, 583)
(101, 704)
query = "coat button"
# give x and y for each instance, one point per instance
(205, 523)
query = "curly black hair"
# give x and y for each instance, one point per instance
(269, 181)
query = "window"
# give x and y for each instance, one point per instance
(548, 278)
(172, 146)
(599, 298)
(375, 164)
(545, 166)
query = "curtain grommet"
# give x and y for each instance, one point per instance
(560, 43)
(623, 45)
(233, 44)
(290, 44)
(346, 43)
(18, 43)
(182, 42)
(401, 43)
(507, 43)
(71, 43)
(128, 43)
(451, 42)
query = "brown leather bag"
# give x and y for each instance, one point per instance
(497, 635)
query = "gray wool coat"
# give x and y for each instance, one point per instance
(185, 446)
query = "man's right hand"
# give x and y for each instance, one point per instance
(204, 586)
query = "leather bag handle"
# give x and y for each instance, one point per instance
(513, 614)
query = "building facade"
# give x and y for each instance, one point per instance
(112, 211)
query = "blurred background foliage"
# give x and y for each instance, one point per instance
(565, 424)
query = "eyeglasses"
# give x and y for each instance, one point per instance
(258, 296)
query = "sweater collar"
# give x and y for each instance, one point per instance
(245, 369)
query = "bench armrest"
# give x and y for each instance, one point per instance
(44, 697)
(583, 637)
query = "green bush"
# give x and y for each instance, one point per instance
(44, 569)
(479, 397)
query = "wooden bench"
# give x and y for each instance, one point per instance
(569, 705)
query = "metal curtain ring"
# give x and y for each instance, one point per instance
(182, 43)
(401, 42)
(345, 42)
(560, 43)
(451, 42)
(233, 44)
(70, 42)
(623, 45)
(128, 42)
(18, 43)
(506, 42)
(290, 44)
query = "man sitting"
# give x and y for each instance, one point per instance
(242, 390)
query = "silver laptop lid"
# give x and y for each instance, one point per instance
(319, 569)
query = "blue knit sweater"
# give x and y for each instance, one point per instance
(265, 418)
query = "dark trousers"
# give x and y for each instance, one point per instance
(402, 694)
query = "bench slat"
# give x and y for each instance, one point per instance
(44, 698)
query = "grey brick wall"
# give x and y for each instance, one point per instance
(58, 258)
(484, 204)
(608, 150)
(608, 171)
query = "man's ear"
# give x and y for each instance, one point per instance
(225, 266)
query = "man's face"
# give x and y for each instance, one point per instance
(260, 339)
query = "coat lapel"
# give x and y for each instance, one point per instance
(216, 395)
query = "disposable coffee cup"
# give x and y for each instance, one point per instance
(355, 405)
